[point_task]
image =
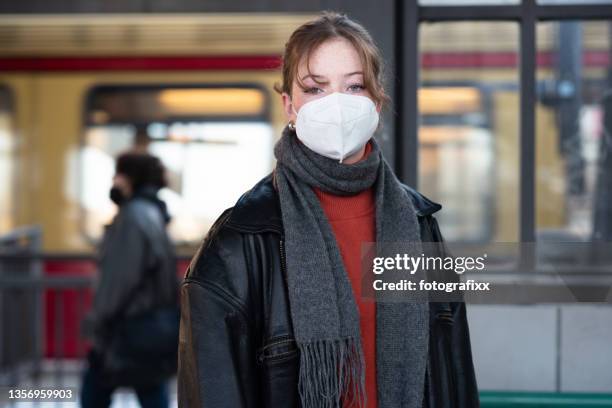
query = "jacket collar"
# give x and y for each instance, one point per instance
(259, 208)
(149, 192)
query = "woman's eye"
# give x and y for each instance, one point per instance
(356, 88)
(313, 90)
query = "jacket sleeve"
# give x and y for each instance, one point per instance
(454, 377)
(217, 363)
(121, 266)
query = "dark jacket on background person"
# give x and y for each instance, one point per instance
(236, 344)
(137, 264)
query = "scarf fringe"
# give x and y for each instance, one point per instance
(332, 374)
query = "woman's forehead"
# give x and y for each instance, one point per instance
(333, 58)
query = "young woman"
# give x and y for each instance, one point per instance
(271, 311)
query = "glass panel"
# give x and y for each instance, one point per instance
(469, 110)
(212, 152)
(467, 2)
(6, 160)
(574, 118)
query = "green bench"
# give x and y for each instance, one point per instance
(507, 399)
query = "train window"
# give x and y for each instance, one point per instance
(468, 135)
(215, 141)
(6, 159)
(574, 142)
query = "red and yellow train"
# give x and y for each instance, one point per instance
(197, 90)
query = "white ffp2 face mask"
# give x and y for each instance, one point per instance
(337, 125)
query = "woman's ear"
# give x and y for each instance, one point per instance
(378, 107)
(288, 106)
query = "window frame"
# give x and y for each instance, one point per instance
(527, 14)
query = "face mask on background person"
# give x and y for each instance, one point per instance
(117, 196)
(337, 125)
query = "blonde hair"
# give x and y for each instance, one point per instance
(330, 25)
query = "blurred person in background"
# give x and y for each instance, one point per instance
(271, 312)
(134, 319)
(142, 140)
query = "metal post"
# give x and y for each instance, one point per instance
(527, 137)
(407, 125)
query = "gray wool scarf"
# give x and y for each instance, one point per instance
(323, 309)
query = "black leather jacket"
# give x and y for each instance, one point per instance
(236, 345)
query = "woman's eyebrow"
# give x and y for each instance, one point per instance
(322, 79)
(313, 76)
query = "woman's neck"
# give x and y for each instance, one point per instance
(360, 155)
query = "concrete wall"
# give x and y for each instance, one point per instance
(542, 347)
